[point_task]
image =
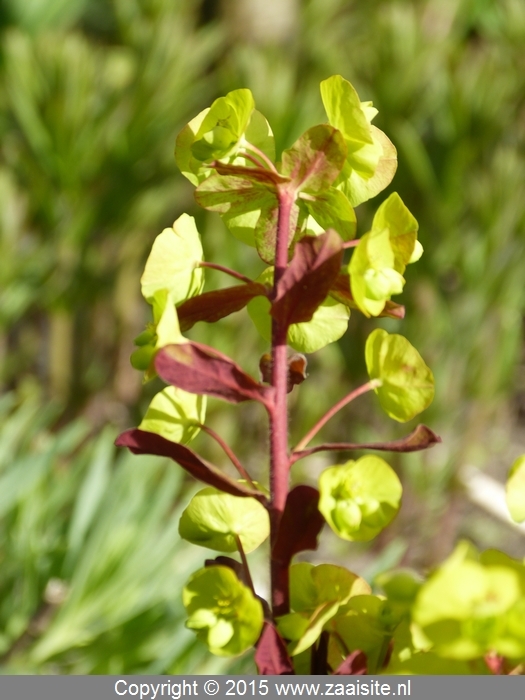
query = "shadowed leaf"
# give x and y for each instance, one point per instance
(200, 370)
(308, 279)
(271, 655)
(300, 525)
(212, 306)
(141, 442)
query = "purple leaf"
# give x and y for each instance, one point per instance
(315, 159)
(340, 291)
(354, 665)
(271, 656)
(301, 524)
(308, 278)
(141, 442)
(202, 370)
(421, 438)
(212, 306)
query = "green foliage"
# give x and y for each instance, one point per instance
(406, 384)
(175, 415)
(223, 611)
(359, 499)
(220, 521)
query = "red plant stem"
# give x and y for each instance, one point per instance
(226, 270)
(262, 155)
(330, 413)
(230, 453)
(279, 458)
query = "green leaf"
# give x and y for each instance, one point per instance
(328, 324)
(345, 112)
(316, 594)
(315, 160)
(468, 608)
(402, 227)
(515, 490)
(173, 262)
(359, 499)
(331, 209)
(175, 414)
(407, 384)
(362, 625)
(163, 331)
(215, 520)
(224, 612)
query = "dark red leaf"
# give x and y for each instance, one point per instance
(354, 665)
(308, 278)
(421, 438)
(212, 306)
(340, 291)
(271, 656)
(300, 525)
(201, 370)
(141, 442)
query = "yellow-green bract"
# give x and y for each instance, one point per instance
(406, 383)
(215, 520)
(472, 605)
(173, 262)
(359, 499)
(175, 414)
(223, 611)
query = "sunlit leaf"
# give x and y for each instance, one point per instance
(359, 499)
(175, 415)
(173, 262)
(331, 209)
(515, 490)
(222, 611)
(407, 384)
(402, 228)
(215, 520)
(315, 159)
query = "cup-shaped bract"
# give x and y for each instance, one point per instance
(218, 521)
(221, 132)
(173, 263)
(223, 612)
(371, 160)
(515, 490)
(406, 384)
(175, 414)
(359, 499)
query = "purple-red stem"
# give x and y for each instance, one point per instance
(279, 458)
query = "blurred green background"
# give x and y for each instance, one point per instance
(92, 96)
